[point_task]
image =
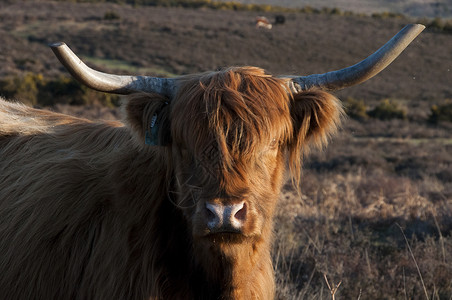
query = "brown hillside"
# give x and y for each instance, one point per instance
(166, 41)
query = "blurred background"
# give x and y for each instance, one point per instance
(374, 210)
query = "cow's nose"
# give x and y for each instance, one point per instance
(225, 217)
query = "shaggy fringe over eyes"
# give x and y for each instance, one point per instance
(241, 110)
(243, 107)
(316, 115)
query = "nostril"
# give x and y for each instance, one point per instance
(241, 213)
(210, 214)
(237, 217)
(214, 214)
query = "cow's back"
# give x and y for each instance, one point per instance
(55, 202)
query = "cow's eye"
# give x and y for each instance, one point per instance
(273, 144)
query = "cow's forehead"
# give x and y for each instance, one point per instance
(239, 109)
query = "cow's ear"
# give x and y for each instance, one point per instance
(316, 115)
(148, 116)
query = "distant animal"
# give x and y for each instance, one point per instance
(176, 202)
(263, 22)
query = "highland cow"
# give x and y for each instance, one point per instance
(176, 202)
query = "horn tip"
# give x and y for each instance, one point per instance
(57, 45)
(418, 27)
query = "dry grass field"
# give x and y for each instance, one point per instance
(374, 210)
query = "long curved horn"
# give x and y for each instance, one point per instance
(116, 84)
(362, 71)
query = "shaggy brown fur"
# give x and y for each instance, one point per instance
(88, 211)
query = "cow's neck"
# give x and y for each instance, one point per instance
(240, 271)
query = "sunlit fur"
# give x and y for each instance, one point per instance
(88, 211)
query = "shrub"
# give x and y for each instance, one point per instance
(111, 15)
(63, 90)
(441, 112)
(331, 11)
(34, 89)
(24, 88)
(336, 11)
(448, 27)
(387, 110)
(308, 9)
(386, 15)
(439, 24)
(355, 109)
